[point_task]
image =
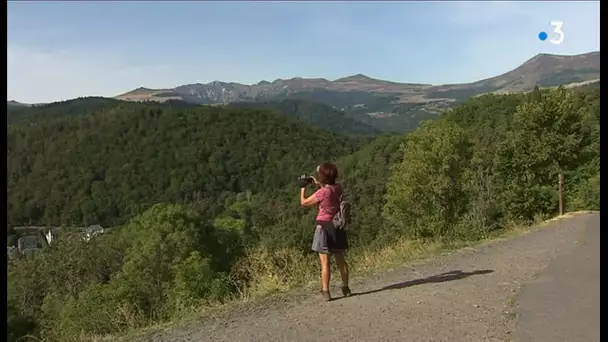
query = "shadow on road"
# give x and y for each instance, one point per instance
(438, 278)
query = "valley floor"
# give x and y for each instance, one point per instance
(540, 286)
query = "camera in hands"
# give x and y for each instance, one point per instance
(305, 180)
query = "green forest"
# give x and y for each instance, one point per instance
(205, 208)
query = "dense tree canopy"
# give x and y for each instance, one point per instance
(107, 168)
(316, 114)
(495, 159)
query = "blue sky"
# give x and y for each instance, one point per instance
(62, 50)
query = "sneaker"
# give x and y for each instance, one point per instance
(346, 291)
(326, 297)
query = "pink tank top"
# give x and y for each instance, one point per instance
(329, 201)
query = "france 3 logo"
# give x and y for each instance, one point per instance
(558, 33)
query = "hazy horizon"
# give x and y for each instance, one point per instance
(74, 49)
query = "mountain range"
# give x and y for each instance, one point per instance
(379, 104)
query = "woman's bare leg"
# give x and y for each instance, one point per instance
(325, 271)
(343, 267)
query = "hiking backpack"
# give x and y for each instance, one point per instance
(342, 218)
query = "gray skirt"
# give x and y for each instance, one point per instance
(328, 239)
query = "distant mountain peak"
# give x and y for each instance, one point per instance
(543, 70)
(142, 90)
(357, 77)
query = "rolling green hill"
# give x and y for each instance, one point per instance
(105, 166)
(53, 110)
(316, 114)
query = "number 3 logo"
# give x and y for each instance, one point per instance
(557, 28)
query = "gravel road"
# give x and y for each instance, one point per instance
(541, 286)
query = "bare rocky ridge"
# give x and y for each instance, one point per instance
(476, 294)
(544, 70)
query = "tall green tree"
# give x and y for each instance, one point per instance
(425, 192)
(547, 138)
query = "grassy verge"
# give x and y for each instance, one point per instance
(284, 273)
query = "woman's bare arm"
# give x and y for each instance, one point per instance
(307, 202)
